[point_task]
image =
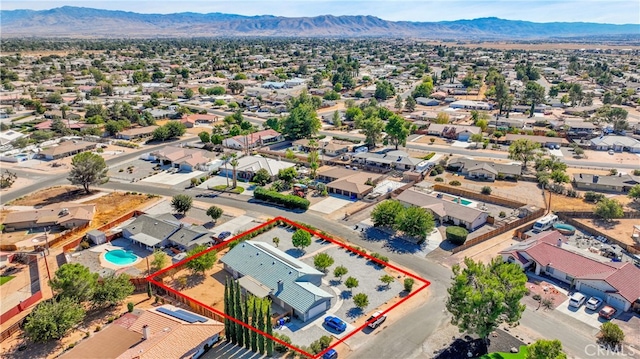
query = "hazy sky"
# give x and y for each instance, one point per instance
(604, 11)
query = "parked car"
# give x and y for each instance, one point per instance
(607, 312)
(593, 303)
(224, 235)
(576, 300)
(557, 147)
(335, 323)
(331, 354)
(611, 152)
(376, 322)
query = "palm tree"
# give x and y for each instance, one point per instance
(234, 164)
(225, 160)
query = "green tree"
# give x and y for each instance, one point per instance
(54, 97)
(261, 325)
(387, 280)
(262, 177)
(188, 93)
(482, 297)
(113, 289)
(288, 174)
(339, 271)
(53, 319)
(276, 241)
(322, 261)
(246, 314)
(202, 263)
(408, 284)
(204, 137)
(159, 259)
(175, 128)
(476, 138)
(361, 300)
(424, 89)
(301, 239)
(523, 150)
(415, 222)
(161, 133)
(442, 118)
(75, 281)
(385, 213)
(214, 212)
(397, 130)
(237, 304)
(502, 94)
(87, 169)
(534, 94)
(254, 322)
(613, 115)
(545, 349)
(398, 103)
(410, 104)
(372, 128)
(611, 333)
(609, 209)
(269, 329)
(351, 283)
(273, 123)
(182, 203)
(384, 90)
(353, 113)
(302, 122)
(228, 328)
(634, 192)
(337, 122)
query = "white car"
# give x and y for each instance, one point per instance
(593, 303)
(577, 300)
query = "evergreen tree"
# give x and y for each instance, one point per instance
(261, 341)
(245, 319)
(227, 322)
(254, 319)
(269, 328)
(232, 313)
(238, 311)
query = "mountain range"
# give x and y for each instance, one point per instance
(80, 22)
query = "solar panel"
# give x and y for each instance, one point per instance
(197, 318)
(187, 318)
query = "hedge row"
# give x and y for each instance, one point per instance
(286, 200)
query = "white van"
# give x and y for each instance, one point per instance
(545, 223)
(576, 300)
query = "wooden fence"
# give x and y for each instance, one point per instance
(7, 333)
(568, 217)
(71, 246)
(483, 237)
(478, 196)
(193, 306)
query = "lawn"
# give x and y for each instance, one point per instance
(520, 355)
(224, 188)
(5, 279)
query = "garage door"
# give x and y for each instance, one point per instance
(590, 291)
(317, 310)
(616, 302)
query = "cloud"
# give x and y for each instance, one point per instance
(609, 11)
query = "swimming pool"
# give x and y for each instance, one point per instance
(120, 257)
(463, 201)
(21, 157)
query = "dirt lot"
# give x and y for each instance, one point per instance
(620, 229)
(50, 195)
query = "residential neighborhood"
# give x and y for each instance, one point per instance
(318, 197)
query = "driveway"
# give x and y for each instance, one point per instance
(557, 153)
(330, 204)
(236, 225)
(583, 314)
(172, 179)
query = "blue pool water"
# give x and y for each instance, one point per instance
(121, 257)
(464, 202)
(21, 157)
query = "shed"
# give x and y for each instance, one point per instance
(96, 236)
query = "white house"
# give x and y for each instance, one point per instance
(256, 139)
(471, 105)
(616, 143)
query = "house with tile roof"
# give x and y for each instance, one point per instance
(150, 334)
(67, 215)
(266, 271)
(485, 170)
(347, 182)
(546, 253)
(616, 143)
(137, 132)
(186, 159)
(65, 149)
(445, 210)
(252, 140)
(393, 159)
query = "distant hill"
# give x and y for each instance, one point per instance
(79, 22)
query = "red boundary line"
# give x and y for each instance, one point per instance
(223, 244)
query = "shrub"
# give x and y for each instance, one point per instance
(408, 284)
(98, 328)
(486, 190)
(286, 200)
(594, 197)
(130, 307)
(85, 244)
(429, 156)
(502, 214)
(612, 335)
(455, 183)
(279, 347)
(457, 235)
(439, 179)
(636, 172)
